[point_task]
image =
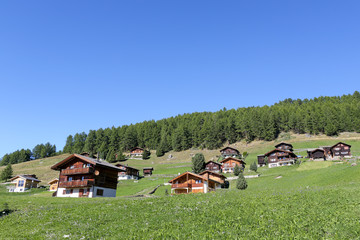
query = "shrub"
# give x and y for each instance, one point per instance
(237, 170)
(146, 154)
(241, 182)
(253, 167)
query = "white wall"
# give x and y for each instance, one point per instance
(74, 194)
(108, 192)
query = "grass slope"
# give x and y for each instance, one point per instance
(307, 202)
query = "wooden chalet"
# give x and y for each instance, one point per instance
(229, 152)
(317, 153)
(53, 184)
(136, 152)
(192, 183)
(340, 150)
(261, 160)
(284, 146)
(214, 176)
(147, 171)
(229, 163)
(81, 176)
(279, 157)
(213, 166)
(126, 172)
(21, 183)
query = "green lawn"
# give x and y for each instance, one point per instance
(317, 200)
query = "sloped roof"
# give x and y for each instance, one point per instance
(283, 143)
(212, 162)
(316, 149)
(86, 159)
(148, 168)
(125, 166)
(229, 148)
(53, 181)
(280, 150)
(190, 173)
(25, 177)
(234, 159)
(136, 148)
(212, 173)
(340, 143)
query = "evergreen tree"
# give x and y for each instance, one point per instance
(253, 166)
(237, 170)
(146, 154)
(198, 163)
(241, 182)
(110, 157)
(6, 173)
(120, 156)
(68, 148)
(159, 151)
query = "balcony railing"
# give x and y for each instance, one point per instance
(75, 171)
(197, 185)
(77, 183)
(181, 185)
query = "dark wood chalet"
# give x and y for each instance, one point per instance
(136, 152)
(340, 150)
(284, 146)
(127, 172)
(278, 157)
(214, 176)
(228, 164)
(213, 166)
(81, 176)
(193, 183)
(261, 160)
(317, 153)
(229, 152)
(147, 171)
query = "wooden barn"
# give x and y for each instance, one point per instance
(340, 150)
(317, 153)
(81, 176)
(192, 183)
(21, 183)
(126, 172)
(229, 163)
(147, 171)
(230, 152)
(261, 160)
(53, 185)
(213, 166)
(284, 146)
(136, 152)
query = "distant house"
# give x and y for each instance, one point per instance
(21, 183)
(317, 153)
(219, 178)
(229, 152)
(278, 157)
(81, 176)
(284, 146)
(229, 163)
(53, 184)
(136, 152)
(213, 166)
(261, 160)
(192, 183)
(127, 172)
(340, 150)
(147, 171)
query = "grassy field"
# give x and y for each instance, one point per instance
(316, 200)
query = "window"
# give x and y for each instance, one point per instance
(88, 165)
(21, 183)
(70, 179)
(72, 166)
(84, 165)
(85, 191)
(69, 191)
(197, 181)
(82, 178)
(100, 192)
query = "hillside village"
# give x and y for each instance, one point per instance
(80, 175)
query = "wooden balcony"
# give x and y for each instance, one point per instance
(77, 183)
(197, 185)
(75, 171)
(181, 185)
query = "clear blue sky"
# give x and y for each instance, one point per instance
(72, 66)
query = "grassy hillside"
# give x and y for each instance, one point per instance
(181, 161)
(316, 200)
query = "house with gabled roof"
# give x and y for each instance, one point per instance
(230, 152)
(284, 146)
(126, 172)
(189, 182)
(81, 176)
(340, 150)
(53, 184)
(136, 152)
(214, 176)
(279, 157)
(229, 163)
(213, 166)
(21, 183)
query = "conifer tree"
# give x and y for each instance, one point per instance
(241, 182)
(198, 163)
(253, 166)
(237, 170)
(6, 173)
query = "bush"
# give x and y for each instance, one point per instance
(146, 154)
(241, 182)
(253, 167)
(237, 170)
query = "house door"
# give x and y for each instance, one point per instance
(81, 192)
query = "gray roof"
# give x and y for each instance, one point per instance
(28, 178)
(100, 162)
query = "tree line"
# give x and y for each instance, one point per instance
(24, 155)
(328, 115)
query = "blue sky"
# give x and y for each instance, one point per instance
(72, 66)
